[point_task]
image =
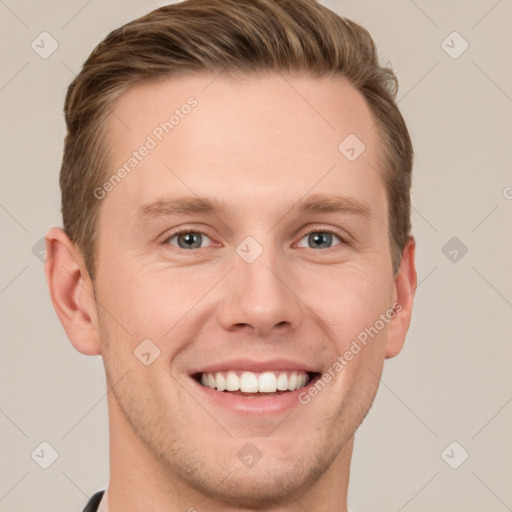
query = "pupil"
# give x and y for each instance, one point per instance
(321, 239)
(190, 239)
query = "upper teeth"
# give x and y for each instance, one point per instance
(250, 382)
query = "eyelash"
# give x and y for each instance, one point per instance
(342, 240)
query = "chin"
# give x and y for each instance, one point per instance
(272, 480)
(260, 487)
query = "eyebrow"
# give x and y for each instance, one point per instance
(182, 206)
(314, 203)
(326, 203)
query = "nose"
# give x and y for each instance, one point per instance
(259, 297)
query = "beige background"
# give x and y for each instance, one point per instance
(452, 382)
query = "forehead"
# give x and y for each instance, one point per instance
(247, 137)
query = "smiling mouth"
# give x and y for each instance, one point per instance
(256, 384)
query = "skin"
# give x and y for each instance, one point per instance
(255, 143)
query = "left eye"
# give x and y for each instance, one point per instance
(187, 239)
(320, 239)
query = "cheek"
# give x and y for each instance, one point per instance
(352, 306)
(148, 301)
(350, 299)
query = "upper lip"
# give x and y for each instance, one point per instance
(251, 365)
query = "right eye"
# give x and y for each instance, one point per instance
(187, 239)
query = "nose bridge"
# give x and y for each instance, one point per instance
(259, 290)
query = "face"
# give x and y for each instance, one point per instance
(246, 250)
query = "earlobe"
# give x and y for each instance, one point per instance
(71, 292)
(405, 288)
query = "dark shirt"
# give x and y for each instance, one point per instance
(92, 505)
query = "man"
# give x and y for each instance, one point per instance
(236, 246)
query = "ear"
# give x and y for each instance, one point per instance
(71, 291)
(405, 287)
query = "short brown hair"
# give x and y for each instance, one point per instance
(249, 36)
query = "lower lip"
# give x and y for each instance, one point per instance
(269, 405)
